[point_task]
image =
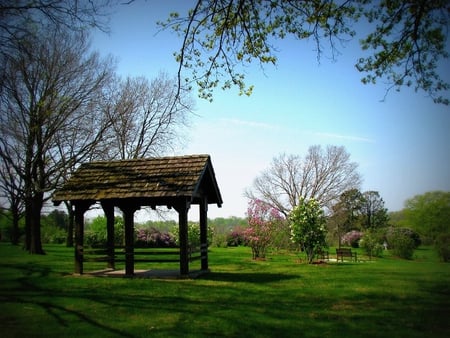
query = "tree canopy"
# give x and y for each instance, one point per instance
(406, 42)
(429, 213)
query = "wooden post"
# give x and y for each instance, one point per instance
(80, 208)
(204, 233)
(128, 217)
(108, 209)
(182, 209)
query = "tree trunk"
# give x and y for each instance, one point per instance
(35, 225)
(15, 232)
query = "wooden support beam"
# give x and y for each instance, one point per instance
(203, 209)
(128, 217)
(182, 209)
(80, 208)
(108, 209)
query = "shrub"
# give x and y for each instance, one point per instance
(51, 234)
(220, 240)
(352, 238)
(401, 244)
(443, 246)
(236, 237)
(193, 234)
(96, 234)
(371, 243)
(154, 238)
(393, 231)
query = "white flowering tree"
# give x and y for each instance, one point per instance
(307, 223)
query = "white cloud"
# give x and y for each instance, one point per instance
(344, 137)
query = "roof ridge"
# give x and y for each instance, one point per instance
(144, 159)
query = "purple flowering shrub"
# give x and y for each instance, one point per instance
(154, 238)
(236, 237)
(262, 220)
(352, 238)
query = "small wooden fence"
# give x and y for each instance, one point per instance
(142, 255)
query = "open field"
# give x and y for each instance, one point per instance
(278, 297)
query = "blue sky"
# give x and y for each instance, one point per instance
(402, 145)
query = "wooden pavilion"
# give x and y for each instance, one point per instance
(175, 182)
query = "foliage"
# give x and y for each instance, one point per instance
(51, 234)
(262, 222)
(429, 214)
(7, 231)
(307, 222)
(193, 234)
(236, 237)
(281, 237)
(401, 243)
(154, 238)
(371, 242)
(443, 247)
(373, 213)
(352, 238)
(228, 231)
(409, 40)
(392, 231)
(404, 45)
(56, 218)
(346, 213)
(96, 235)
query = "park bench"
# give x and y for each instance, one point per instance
(345, 252)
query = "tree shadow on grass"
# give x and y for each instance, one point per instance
(254, 277)
(27, 291)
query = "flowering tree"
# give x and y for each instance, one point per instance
(262, 221)
(307, 222)
(352, 238)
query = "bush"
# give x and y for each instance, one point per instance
(236, 237)
(401, 245)
(443, 247)
(96, 235)
(51, 234)
(193, 235)
(371, 243)
(220, 240)
(352, 238)
(154, 238)
(394, 231)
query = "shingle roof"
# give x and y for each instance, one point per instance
(154, 179)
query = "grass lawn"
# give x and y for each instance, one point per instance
(278, 297)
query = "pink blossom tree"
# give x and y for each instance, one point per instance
(262, 221)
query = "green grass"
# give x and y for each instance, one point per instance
(278, 297)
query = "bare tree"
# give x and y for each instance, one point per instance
(146, 117)
(18, 16)
(322, 175)
(11, 191)
(51, 110)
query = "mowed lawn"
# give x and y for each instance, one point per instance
(278, 297)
